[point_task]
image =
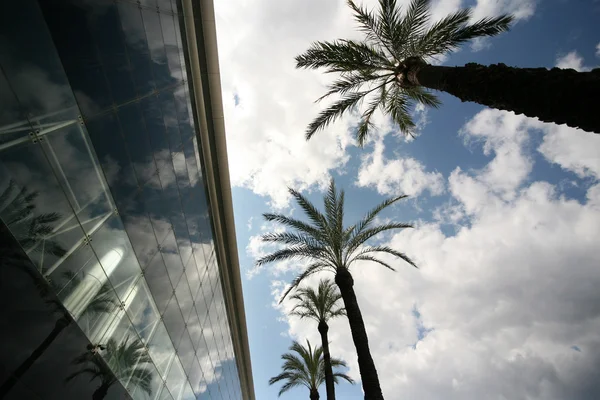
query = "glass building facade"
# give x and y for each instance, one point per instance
(104, 201)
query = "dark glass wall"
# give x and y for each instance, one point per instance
(99, 154)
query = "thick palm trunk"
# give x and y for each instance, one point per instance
(562, 96)
(314, 394)
(101, 392)
(18, 373)
(323, 330)
(368, 373)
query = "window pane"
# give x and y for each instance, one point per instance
(116, 255)
(176, 379)
(158, 281)
(161, 349)
(142, 310)
(173, 320)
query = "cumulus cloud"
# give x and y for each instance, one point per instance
(572, 60)
(400, 176)
(507, 307)
(598, 50)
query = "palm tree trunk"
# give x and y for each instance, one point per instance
(562, 96)
(18, 373)
(314, 394)
(323, 329)
(368, 372)
(101, 392)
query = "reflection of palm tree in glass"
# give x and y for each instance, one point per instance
(124, 362)
(17, 210)
(103, 303)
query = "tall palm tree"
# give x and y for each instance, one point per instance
(306, 368)
(126, 361)
(331, 246)
(320, 305)
(389, 70)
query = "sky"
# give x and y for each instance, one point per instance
(505, 304)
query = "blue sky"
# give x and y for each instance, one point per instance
(507, 210)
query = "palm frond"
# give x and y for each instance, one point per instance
(342, 56)
(311, 211)
(375, 260)
(352, 81)
(423, 96)
(397, 107)
(311, 269)
(365, 122)
(291, 238)
(294, 223)
(335, 111)
(292, 253)
(369, 233)
(452, 31)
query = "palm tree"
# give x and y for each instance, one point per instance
(331, 246)
(17, 210)
(390, 64)
(125, 361)
(306, 369)
(320, 305)
(102, 303)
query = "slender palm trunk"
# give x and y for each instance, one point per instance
(562, 96)
(18, 373)
(101, 392)
(314, 394)
(368, 373)
(323, 329)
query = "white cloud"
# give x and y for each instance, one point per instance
(572, 60)
(395, 177)
(573, 149)
(598, 50)
(521, 9)
(511, 299)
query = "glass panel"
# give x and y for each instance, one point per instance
(204, 295)
(156, 45)
(168, 249)
(190, 159)
(69, 273)
(30, 194)
(164, 394)
(145, 382)
(176, 379)
(155, 127)
(193, 277)
(156, 208)
(140, 232)
(194, 329)
(137, 47)
(158, 281)
(174, 321)
(172, 51)
(181, 233)
(170, 119)
(70, 154)
(161, 349)
(188, 393)
(184, 297)
(105, 26)
(142, 310)
(134, 132)
(195, 377)
(105, 132)
(183, 180)
(186, 352)
(116, 255)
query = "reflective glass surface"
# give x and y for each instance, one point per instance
(101, 187)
